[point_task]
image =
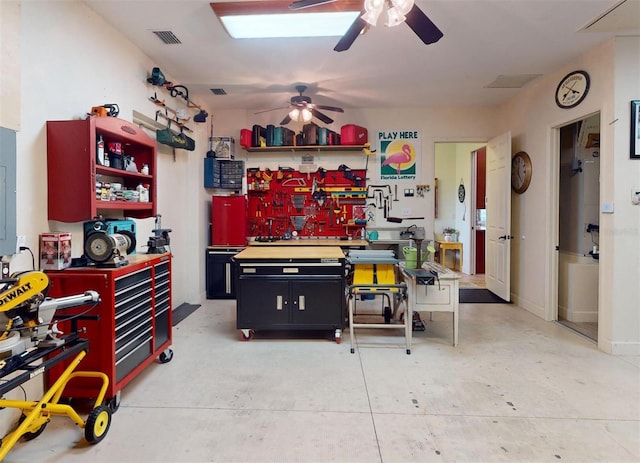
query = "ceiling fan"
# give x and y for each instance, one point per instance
(302, 109)
(398, 11)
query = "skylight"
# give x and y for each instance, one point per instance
(328, 24)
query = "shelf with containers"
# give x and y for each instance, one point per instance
(75, 177)
(319, 148)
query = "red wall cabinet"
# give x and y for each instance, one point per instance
(134, 324)
(72, 170)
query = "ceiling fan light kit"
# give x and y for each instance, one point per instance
(396, 11)
(300, 115)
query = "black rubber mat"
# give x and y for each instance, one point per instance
(479, 296)
(183, 311)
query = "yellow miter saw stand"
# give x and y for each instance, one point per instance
(30, 345)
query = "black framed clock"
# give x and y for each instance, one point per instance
(521, 171)
(572, 89)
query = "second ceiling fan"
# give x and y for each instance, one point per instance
(398, 11)
(302, 109)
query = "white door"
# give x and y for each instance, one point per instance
(498, 204)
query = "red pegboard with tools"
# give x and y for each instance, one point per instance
(286, 203)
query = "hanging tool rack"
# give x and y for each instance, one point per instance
(180, 122)
(322, 204)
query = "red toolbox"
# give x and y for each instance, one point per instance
(352, 134)
(245, 138)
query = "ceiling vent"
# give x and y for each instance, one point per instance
(515, 81)
(168, 37)
(218, 91)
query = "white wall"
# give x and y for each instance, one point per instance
(67, 68)
(10, 64)
(531, 117)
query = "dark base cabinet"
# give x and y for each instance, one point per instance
(289, 293)
(220, 273)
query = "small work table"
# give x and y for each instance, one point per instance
(433, 295)
(445, 246)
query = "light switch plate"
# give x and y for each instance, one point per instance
(607, 208)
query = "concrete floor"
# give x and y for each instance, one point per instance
(515, 389)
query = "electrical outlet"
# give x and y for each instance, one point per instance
(21, 241)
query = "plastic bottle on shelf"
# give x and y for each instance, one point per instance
(143, 191)
(145, 169)
(100, 151)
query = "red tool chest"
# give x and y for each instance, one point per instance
(134, 324)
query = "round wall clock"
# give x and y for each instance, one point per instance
(520, 172)
(572, 89)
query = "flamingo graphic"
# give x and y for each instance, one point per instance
(401, 157)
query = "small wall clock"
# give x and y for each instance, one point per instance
(462, 193)
(520, 172)
(572, 89)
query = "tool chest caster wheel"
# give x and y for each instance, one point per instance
(97, 424)
(166, 356)
(114, 403)
(246, 335)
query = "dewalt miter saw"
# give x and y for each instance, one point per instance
(26, 311)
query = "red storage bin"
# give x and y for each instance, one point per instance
(245, 138)
(352, 134)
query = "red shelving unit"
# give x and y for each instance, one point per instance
(72, 170)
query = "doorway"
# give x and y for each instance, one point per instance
(456, 165)
(578, 226)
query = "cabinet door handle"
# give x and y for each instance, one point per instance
(278, 302)
(227, 277)
(301, 302)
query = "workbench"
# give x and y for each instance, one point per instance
(290, 288)
(429, 294)
(344, 244)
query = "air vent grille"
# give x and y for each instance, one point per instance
(167, 37)
(218, 91)
(515, 81)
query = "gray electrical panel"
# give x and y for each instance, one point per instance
(7, 192)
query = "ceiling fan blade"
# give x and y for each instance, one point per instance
(300, 4)
(352, 34)
(324, 118)
(267, 110)
(423, 26)
(329, 108)
(286, 120)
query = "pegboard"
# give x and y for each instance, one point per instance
(287, 203)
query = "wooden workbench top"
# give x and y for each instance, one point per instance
(312, 242)
(290, 252)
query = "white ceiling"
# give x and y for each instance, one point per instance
(386, 67)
